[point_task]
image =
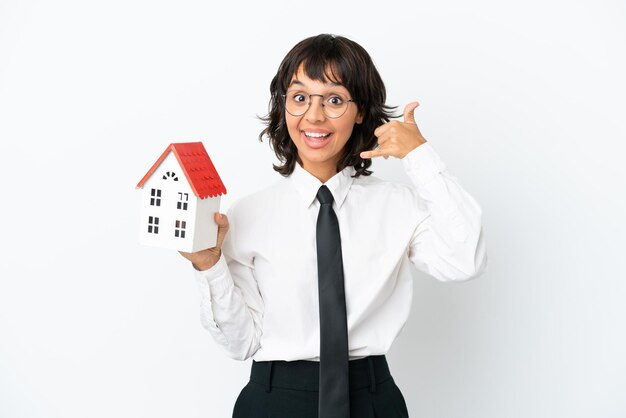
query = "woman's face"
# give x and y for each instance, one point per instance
(320, 140)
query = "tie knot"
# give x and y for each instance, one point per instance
(324, 195)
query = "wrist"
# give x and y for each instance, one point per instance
(206, 264)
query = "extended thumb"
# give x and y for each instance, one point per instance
(409, 110)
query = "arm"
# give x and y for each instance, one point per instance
(231, 305)
(447, 242)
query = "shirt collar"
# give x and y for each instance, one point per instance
(307, 184)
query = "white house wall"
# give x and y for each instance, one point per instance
(206, 234)
(167, 212)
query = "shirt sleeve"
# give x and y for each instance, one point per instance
(231, 307)
(448, 243)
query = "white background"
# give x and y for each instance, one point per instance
(524, 101)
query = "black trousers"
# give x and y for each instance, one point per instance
(281, 389)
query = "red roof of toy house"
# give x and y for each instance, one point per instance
(197, 166)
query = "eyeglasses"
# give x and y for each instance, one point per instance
(334, 106)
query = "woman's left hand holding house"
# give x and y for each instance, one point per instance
(205, 259)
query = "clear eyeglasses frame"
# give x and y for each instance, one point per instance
(296, 106)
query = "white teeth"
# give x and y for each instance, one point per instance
(316, 134)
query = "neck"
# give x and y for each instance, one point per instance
(321, 173)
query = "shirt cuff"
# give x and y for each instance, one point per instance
(423, 164)
(217, 278)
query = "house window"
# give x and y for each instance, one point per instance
(180, 229)
(155, 197)
(183, 198)
(153, 225)
(170, 175)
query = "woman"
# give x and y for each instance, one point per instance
(311, 276)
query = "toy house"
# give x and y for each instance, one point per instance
(180, 194)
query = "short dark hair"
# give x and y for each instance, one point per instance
(337, 59)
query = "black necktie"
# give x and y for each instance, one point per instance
(334, 395)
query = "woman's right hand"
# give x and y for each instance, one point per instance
(205, 259)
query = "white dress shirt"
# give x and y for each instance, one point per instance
(261, 298)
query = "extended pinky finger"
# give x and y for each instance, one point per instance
(366, 154)
(372, 154)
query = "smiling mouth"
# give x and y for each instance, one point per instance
(316, 136)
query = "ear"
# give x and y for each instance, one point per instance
(359, 118)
